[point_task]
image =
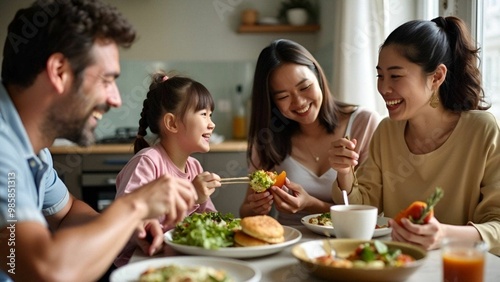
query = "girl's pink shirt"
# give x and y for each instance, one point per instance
(146, 166)
(151, 163)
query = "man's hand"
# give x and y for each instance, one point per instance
(168, 196)
(149, 236)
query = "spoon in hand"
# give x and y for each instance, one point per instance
(355, 178)
(346, 200)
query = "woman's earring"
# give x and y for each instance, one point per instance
(434, 101)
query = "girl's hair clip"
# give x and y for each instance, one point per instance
(164, 78)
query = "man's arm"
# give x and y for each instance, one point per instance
(80, 252)
(77, 253)
(74, 213)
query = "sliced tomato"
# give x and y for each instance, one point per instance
(280, 179)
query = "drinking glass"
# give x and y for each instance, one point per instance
(463, 261)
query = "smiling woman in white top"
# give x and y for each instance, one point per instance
(294, 119)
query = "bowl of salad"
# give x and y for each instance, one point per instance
(359, 260)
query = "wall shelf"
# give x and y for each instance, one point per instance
(277, 28)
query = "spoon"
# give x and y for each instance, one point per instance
(346, 200)
(355, 178)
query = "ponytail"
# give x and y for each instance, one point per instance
(462, 89)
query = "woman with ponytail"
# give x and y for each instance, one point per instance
(438, 134)
(177, 110)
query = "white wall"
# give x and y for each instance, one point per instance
(197, 30)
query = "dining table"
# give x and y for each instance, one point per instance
(283, 266)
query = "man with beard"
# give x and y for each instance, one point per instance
(59, 67)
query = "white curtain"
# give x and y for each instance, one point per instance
(360, 30)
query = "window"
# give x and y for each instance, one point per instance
(483, 16)
(491, 53)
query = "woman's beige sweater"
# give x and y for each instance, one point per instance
(466, 167)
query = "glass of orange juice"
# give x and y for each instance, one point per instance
(463, 260)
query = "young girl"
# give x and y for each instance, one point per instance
(178, 110)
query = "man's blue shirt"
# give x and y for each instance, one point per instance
(29, 185)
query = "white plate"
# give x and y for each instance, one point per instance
(324, 230)
(237, 270)
(292, 236)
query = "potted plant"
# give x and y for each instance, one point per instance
(298, 12)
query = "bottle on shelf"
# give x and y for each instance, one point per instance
(239, 118)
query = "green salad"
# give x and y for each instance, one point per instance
(209, 230)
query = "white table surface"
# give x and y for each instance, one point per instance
(283, 266)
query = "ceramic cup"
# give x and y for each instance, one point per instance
(353, 221)
(463, 260)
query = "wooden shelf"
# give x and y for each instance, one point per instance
(277, 28)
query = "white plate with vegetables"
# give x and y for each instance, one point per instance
(321, 223)
(234, 270)
(291, 235)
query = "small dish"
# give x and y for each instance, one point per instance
(324, 230)
(292, 236)
(307, 251)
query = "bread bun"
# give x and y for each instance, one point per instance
(263, 227)
(241, 239)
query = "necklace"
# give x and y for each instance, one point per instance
(316, 158)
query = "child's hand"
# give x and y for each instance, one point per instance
(205, 184)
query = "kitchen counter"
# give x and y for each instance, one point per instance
(226, 146)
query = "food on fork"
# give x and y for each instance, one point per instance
(261, 180)
(421, 212)
(264, 228)
(184, 273)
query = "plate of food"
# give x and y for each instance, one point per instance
(321, 223)
(188, 268)
(359, 260)
(253, 236)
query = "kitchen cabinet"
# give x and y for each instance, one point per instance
(91, 177)
(277, 28)
(69, 168)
